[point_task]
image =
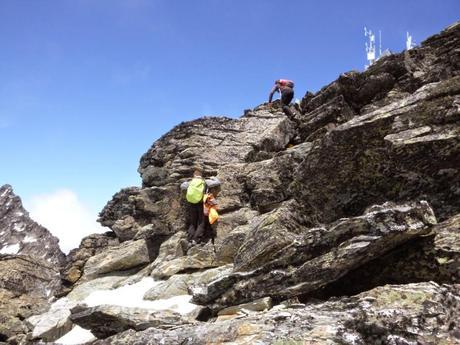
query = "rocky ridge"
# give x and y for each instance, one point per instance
(340, 225)
(30, 259)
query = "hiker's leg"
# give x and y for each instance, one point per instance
(192, 219)
(286, 98)
(288, 111)
(200, 225)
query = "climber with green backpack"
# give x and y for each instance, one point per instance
(195, 191)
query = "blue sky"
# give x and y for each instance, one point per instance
(86, 86)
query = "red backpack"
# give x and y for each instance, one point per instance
(286, 82)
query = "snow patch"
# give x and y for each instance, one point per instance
(132, 296)
(11, 249)
(125, 296)
(77, 335)
(29, 239)
(352, 339)
(19, 227)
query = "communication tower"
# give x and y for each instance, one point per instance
(409, 43)
(370, 46)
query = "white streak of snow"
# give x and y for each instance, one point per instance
(11, 249)
(132, 296)
(19, 227)
(29, 239)
(77, 335)
(125, 296)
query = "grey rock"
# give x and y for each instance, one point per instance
(106, 320)
(123, 257)
(53, 324)
(76, 259)
(199, 257)
(432, 257)
(179, 284)
(260, 304)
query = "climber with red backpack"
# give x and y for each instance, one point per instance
(197, 189)
(286, 88)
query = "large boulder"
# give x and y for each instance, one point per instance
(432, 257)
(14, 309)
(76, 259)
(179, 284)
(119, 258)
(197, 258)
(107, 320)
(54, 323)
(398, 152)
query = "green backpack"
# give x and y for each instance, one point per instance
(195, 190)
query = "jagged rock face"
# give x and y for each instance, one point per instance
(208, 142)
(281, 260)
(406, 150)
(30, 260)
(21, 235)
(423, 313)
(433, 257)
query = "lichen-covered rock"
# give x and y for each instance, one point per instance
(432, 257)
(283, 258)
(400, 145)
(423, 313)
(90, 246)
(123, 257)
(14, 309)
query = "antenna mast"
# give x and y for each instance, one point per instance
(409, 43)
(370, 47)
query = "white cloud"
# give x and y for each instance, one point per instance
(62, 213)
